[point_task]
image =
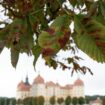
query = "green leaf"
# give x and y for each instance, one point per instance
(88, 4)
(36, 50)
(100, 19)
(51, 63)
(55, 37)
(93, 9)
(73, 2)
(2, 44)
(90, 37)
(33, 22)
(53, 5)
(80, 2)
(102, 7)
(20, 29)
(4, 32)
(61, 1)
(14, 56)
(61, 21)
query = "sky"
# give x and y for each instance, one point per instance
(10, 77)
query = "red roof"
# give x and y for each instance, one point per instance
(21, 83)
(68, 87)
(38, 80)
(50, 83)
(98, 100)
(78, 82)
(23, 87)
(62, 87)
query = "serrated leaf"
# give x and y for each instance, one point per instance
(90, 37)
(20, 29)
(61, 21)
(14, 56)
(51, 63)
(19, 36)
(33, 22)
(36, 50)
(55, 37)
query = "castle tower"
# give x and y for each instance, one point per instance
(27, 80)
(38, 87)
(23, 89)
(78, 88)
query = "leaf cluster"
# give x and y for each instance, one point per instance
(42, 27)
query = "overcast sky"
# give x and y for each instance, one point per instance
(10, 77)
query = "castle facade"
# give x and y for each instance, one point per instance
(49, 89)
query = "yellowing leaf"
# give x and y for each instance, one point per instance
(90, 37)
(55, 37)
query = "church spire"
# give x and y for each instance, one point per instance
(27, 80)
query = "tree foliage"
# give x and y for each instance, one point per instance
(52, 100)
(42, 27)
(103, 103)
(7, 101)
(27, 101)
(68, 100)
(74, 100)
(41, 100)
(81, 100)
(34, 100)
(13, 101)
(60, 100)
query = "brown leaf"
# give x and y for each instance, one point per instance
(47, 52)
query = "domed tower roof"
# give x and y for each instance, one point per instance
(50, 83)
(23, 87)
(20, 84)
(38, 80)
(78, 82)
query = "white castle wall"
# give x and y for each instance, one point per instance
(40, 89)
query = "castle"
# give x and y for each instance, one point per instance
(49, 89)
